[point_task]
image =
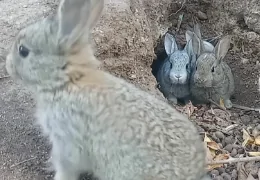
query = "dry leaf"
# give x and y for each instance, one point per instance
(221, 103)
(257, 140)
(247, 138)
(207, 139)
(213, 145)
(254, 154)
(221, 157)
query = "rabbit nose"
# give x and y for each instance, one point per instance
(178, 76)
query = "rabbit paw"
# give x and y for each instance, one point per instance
(65, 176)
(173, 100)
(228, 104)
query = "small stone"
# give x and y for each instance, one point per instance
(233, 152)
(234, 174)
(221, 170)
(228, 147)
(202, 15)
(215, 172)
(244, 60)
(245, 119)
(240, 151)
(226, 176)
(218, 178)
(25, 6)
(229, 140)
(219, 135)
(133, 76)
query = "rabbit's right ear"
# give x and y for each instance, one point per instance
(188, 47)
(197, 30)
(222, 48)
(76, 19)
(196, 44)
(170, 44)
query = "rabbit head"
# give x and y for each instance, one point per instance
(179, 60)
(208, 68)
(45, 53)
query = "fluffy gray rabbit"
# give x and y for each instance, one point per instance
(212, 78)
(174, 74)
(96, 122)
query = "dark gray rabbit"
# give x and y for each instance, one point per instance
(212, 78)
(97, 122)
(174, 73)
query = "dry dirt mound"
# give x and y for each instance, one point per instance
(126, 39)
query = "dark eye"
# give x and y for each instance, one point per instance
(212, 69)
(196, 67)
(23, 51)
(171, 65)
(187, 66)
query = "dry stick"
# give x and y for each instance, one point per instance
(246, 108)
(235, 160)
(182, 5)
(19, 163)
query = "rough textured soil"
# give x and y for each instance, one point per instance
(23, 150)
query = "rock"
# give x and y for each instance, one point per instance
(229, 148)
(219, 135)
(245, 119)
(202, 15)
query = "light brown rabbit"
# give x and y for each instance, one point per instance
(212, 78)
(99, 123)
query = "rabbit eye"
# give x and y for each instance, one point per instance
(23, 51)
(212, 69)
(187, 66)
(171, 65)
(196, 67)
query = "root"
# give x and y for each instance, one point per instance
(235, 160)
(216, 104)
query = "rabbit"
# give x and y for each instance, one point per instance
(173, 75)
(95, 121)
(212, 78)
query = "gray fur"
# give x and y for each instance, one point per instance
(173, 76)
(96, 122)
(213, 78)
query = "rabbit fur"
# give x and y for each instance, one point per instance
(96, 122)
(212, 78)
(173, 75)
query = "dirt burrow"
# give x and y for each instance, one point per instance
(126, 38)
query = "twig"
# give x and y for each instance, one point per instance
(223, 108)
(4, 77)
(182, 5)
(235, 160)
(19, 163)
(246, 108)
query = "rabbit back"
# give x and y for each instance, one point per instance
(112, 129)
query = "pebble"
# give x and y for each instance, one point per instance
(219, 135)
(221, 170)
(234, 174)
(228, 147)
(226, 176)
(215, 172)
(202, 15)
(229, 140)
(245, 119)
(218, 178)
(233, 152)
(240, 151)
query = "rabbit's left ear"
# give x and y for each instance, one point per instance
(222, 48)
(188, 47)
(76, 19)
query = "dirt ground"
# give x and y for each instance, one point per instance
(23, 150)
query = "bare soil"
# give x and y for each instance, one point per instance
(127, 48)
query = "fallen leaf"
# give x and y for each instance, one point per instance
(257, 140)
(254, 154)
(247, 138)
(221, 157)
(213, 145)
(207, 139)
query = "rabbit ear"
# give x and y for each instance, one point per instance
(170, 44)
(76, 19)
(197, 30)
(222, 48)
(188, 47)
(196, 44)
